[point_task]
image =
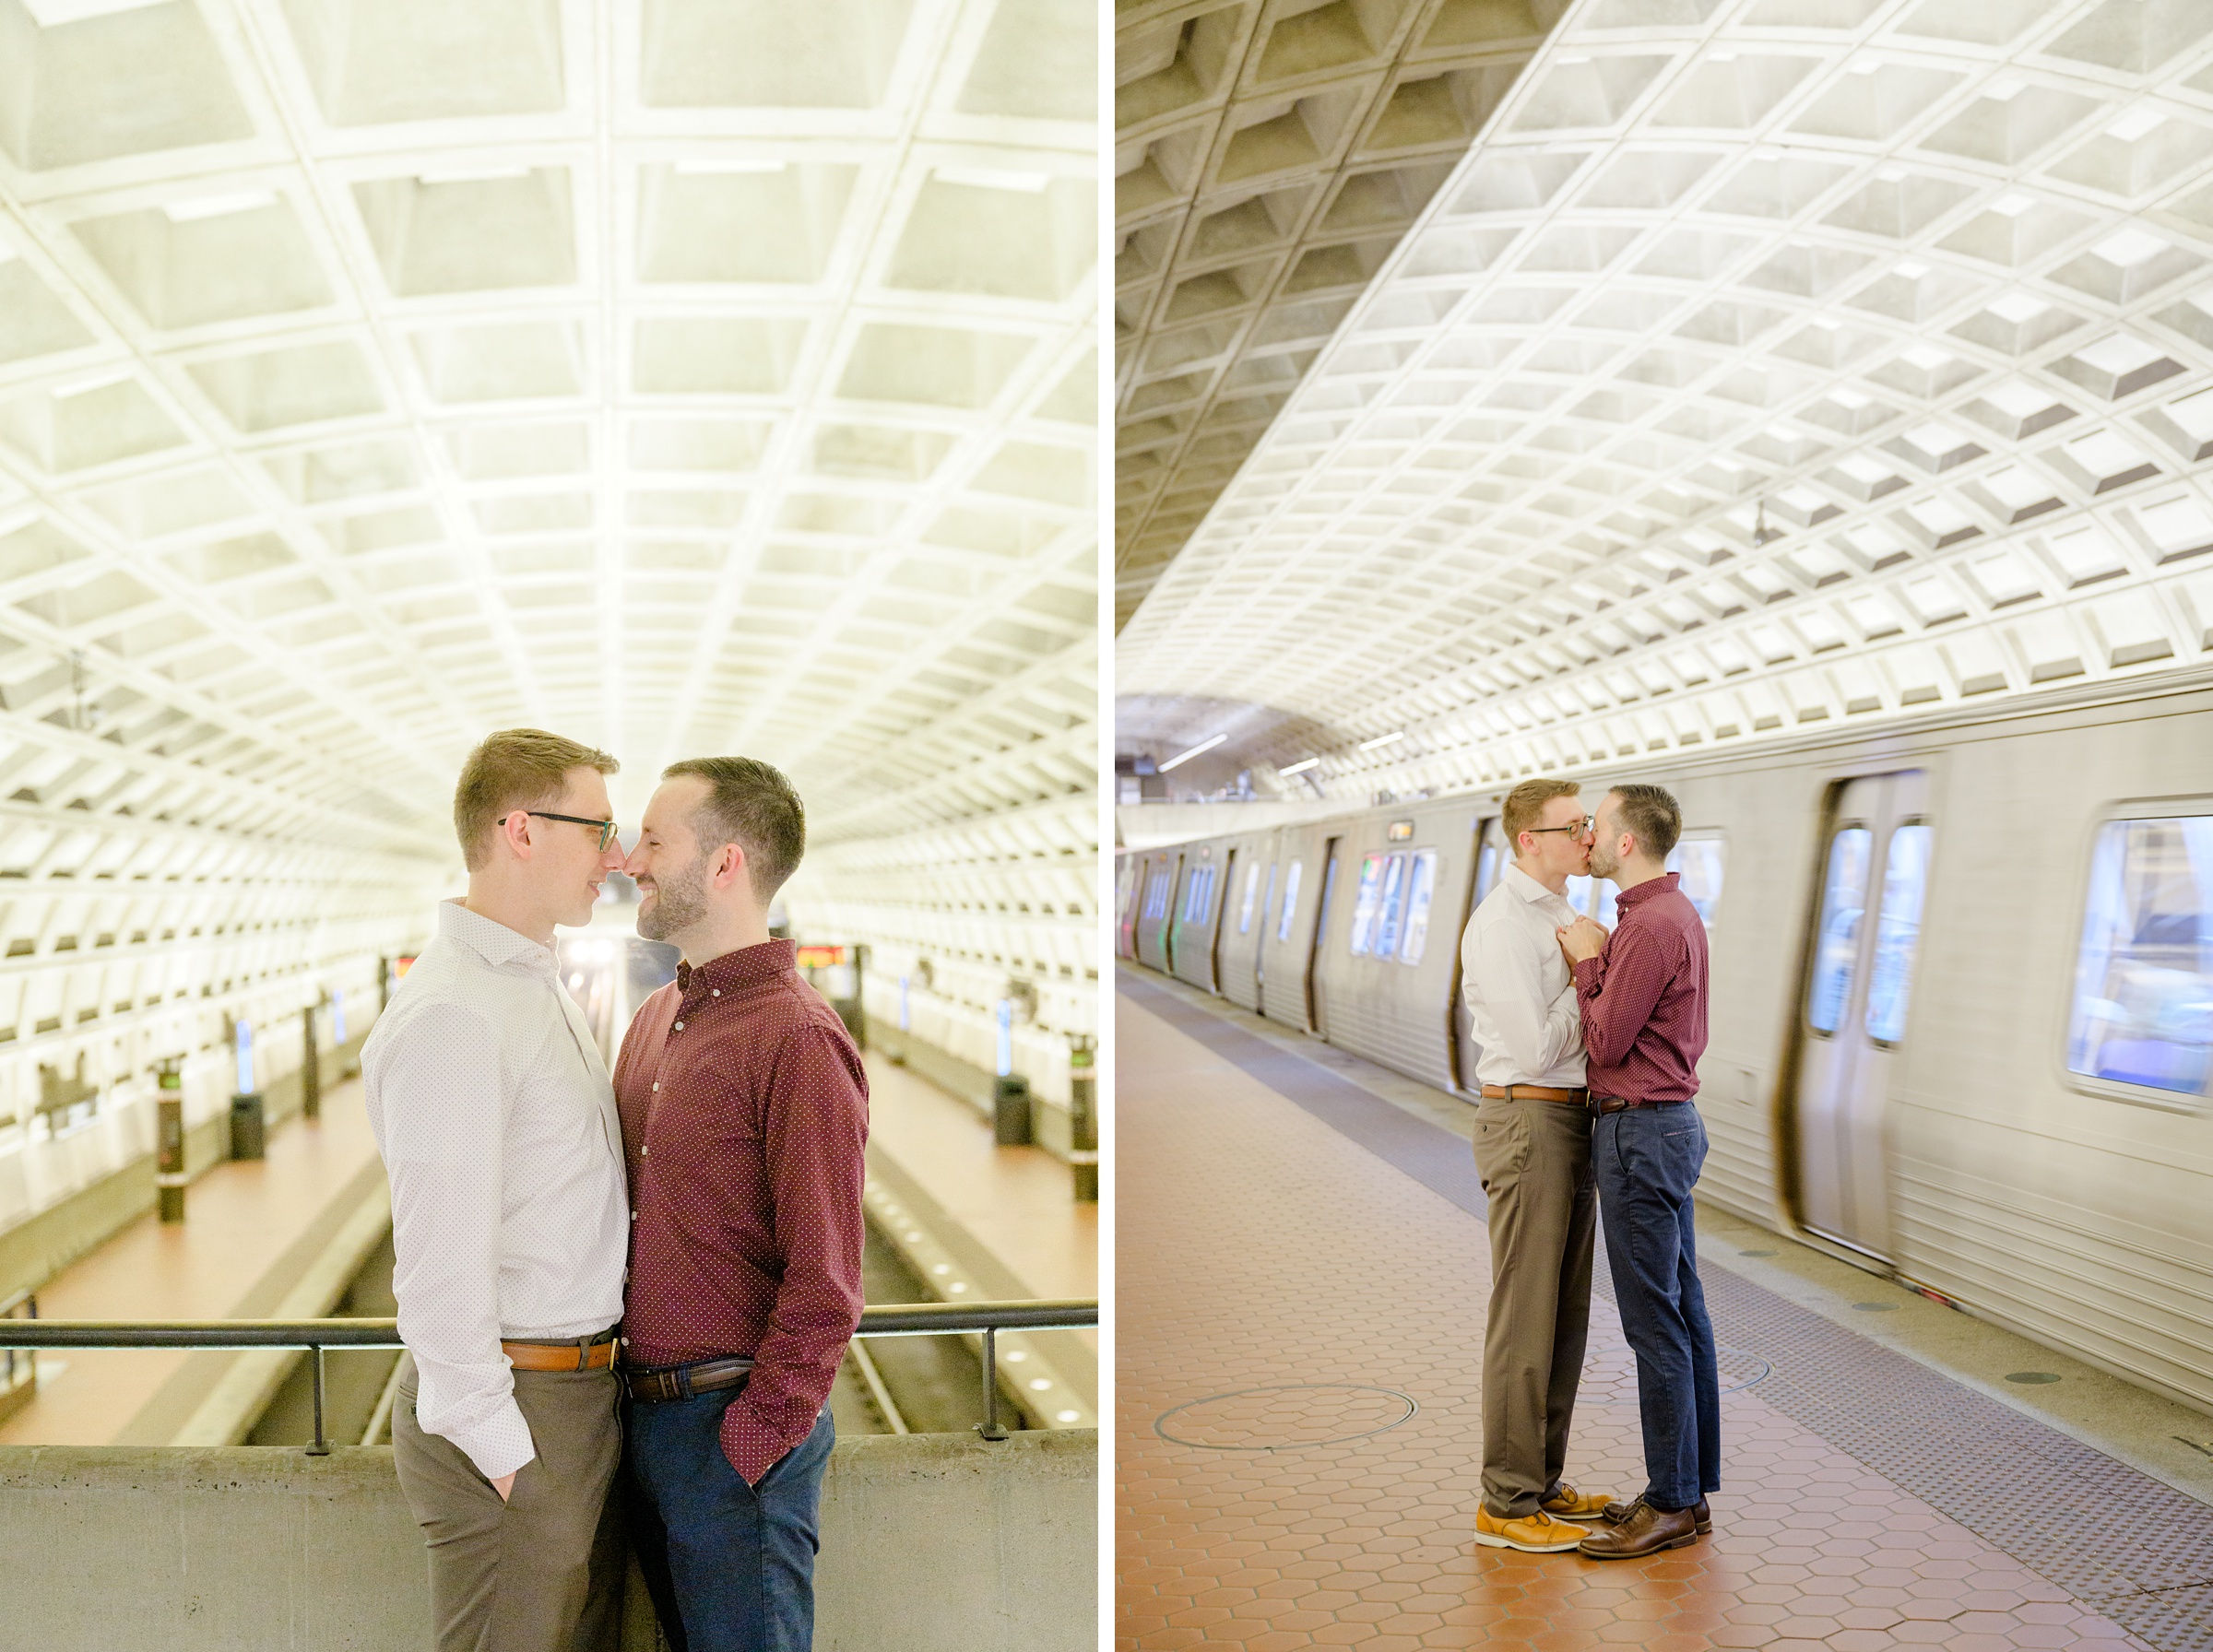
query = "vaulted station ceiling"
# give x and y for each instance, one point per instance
(686, 376)
(1761, 362)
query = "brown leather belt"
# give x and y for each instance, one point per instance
(1621, 1103)
(680, 1382)
(1535, 1092)
(587, 1353)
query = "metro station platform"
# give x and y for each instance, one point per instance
(1302, 1270)
(275, 1237)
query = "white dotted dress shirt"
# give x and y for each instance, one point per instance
(510, 1216)
(1521, 995)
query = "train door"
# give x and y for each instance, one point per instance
(1171, 929)
(1214, 949)
(1260, 943)
(1131, 884)
(1853, 1015)
(1321, 929)
(1466, 1052)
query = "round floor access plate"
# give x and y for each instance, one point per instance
(1284, 1418)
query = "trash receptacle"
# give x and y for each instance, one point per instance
(1011, 1110)
(247, 1125)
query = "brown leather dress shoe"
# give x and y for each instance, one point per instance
(1646, 1531)
(1614, 1514)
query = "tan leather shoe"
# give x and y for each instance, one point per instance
(1646, 1531)
(1615, 1513)
(1567, 1504)
(1532, 1534)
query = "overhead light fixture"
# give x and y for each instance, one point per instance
(1761, 533)
(1382, 739)
(1194, 751)
(976, 177)
(204, 207)
(2135, 124)
(51, 14)
(1301, 768)
(87, 386)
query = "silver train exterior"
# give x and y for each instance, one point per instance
(1986, 1077)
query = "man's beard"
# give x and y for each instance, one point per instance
(677, 904)
(1602, 864)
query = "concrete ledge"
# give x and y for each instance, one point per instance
(930, 1543)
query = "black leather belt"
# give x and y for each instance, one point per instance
(1621, 1103)
(681, 1381)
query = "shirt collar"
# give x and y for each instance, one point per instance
(489, 939)
(1528, 888)
(1645, 892)
(748, 966)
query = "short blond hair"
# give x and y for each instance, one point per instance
(517, 768)
(1525, 807)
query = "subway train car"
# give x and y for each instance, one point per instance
(1962, 990)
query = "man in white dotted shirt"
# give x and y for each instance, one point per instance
(510, 1219)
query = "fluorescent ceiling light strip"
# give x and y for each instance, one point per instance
(1028, 183)
(1301, 768)
(1194, 751)
(203, 206)
(714, 169)
(1382, 739)
(53, 14)
(86, 386)
(482, 174)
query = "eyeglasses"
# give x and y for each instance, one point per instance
(605, 828)
(1588, 823)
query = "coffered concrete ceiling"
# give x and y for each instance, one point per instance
(1269, 155)
(685, 376)
(1761, 362)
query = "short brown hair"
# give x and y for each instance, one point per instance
(517, 768)
(1649, 812)
(751, 803)
(1525, 807)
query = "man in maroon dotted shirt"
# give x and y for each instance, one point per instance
(744, 1113)
(1642, 993)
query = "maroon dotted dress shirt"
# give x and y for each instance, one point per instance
(745, 1109)
(1643, 998)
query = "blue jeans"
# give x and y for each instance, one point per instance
(1647, 1160)
(731, 1566)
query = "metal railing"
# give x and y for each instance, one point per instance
(986, 1320)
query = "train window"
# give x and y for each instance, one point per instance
(1252, 888)
(1487, 871)
(1579, 897)
(1698, 860)
(1897, 932)
(1199, 898)
(1156, 895)
(1290, 900)
(1421, 884)
(1364, 904)
(1390, 911)
(1268, 901)
(2143, 1010)
(1844, 902)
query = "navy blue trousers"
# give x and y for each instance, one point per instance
(731, 1566)
(1646, 1160)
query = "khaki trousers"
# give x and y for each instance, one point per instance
(1534, 1158)
(543, 1571)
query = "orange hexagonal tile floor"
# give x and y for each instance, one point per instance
(1285, 1296)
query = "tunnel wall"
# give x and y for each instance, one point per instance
(930, 1543)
